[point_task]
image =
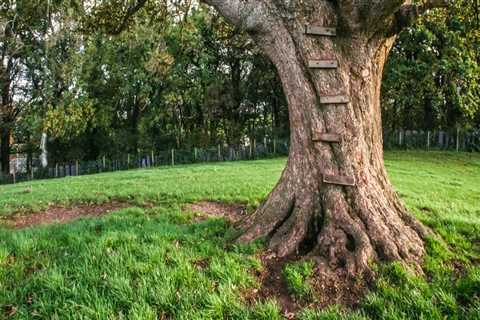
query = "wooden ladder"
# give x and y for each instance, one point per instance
(326, 137)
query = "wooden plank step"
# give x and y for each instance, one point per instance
(339, 180)
(323, 64)
(320, 31)
(334, 100)
(327, 137)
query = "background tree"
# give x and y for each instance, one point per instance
(35, 45)
(432, 76)
(11, 48)
(177, 80)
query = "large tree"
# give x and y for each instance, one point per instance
(334, 201)
(24, 28)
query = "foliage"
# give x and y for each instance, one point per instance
(67, 120)
(432, 79)
(174, 79)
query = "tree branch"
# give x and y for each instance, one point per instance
(367, 15)
(409, 13)
(249, 15)
(130, 12)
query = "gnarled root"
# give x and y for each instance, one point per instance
(338, 228)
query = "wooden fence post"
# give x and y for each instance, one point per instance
(152, 161)
(77, 169)
(428, 140)
(173, 157)
(104, 163)
(195, 154)
(219, 155)
(274, 146)
(56, 170)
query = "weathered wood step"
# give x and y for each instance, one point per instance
(339, 180)
(334, 99)
(320, 31)
(327, 137)
(323, 64)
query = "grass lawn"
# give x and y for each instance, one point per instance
(157, 262)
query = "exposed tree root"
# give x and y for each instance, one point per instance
(273, 212)
(337, 230)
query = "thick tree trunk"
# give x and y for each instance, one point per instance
(135, 114)
(428, 113)
(340, 226)
(333, 202)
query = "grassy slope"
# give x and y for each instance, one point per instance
(227, 181)
(145, 263)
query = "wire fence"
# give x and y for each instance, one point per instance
(24, 170)
(453, 140)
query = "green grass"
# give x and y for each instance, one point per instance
(246, 182)
(144, 263)
(297, 275)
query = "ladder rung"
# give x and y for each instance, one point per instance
(320, 31)
(339, 180)
(334, 100)
(323, 64)
(327, 137)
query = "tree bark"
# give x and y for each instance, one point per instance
(342, 227)
(5, 135)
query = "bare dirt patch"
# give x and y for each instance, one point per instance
(59, 214)
(339, 288)
(331, 289)
(274, 285)
(207, 209)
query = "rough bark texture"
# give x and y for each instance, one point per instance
(342, 227)
(5, 134)
(7, 113)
